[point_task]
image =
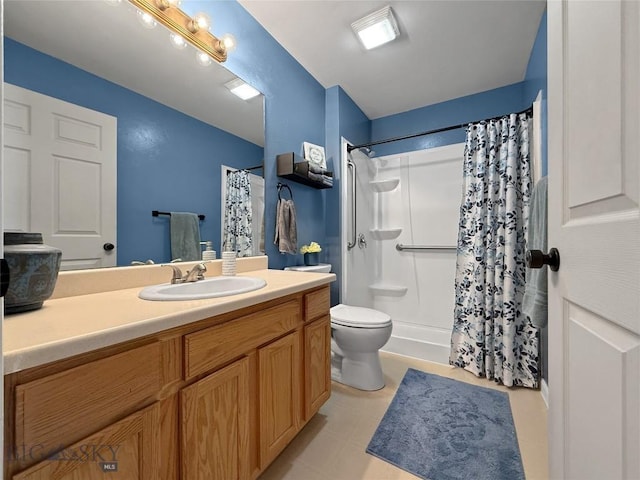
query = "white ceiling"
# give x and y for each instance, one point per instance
(108, 41)
(447, 48)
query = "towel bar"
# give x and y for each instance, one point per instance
(400, 247)
(155, 213)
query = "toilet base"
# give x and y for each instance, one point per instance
(361, 370)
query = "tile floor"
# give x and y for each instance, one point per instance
(332, 445)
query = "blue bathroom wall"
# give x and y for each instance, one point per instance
(458, 111)
(344, 119)
(294, 113)
(166, 160)
(535, 80)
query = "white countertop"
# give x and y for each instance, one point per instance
(68, 326)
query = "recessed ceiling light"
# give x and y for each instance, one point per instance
(376, 29)
(242, 89)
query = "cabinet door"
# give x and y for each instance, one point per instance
(215, 425)
(126, 450)
(280, 371)
(317, 365)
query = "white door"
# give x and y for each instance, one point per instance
(60, 176)
(594, 221)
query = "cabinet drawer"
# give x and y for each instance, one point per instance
(65, 407)
(214, 346)
(316, 304)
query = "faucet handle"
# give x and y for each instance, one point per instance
(200, 268)
(177, 273)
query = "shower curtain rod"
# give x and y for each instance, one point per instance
(350, 148)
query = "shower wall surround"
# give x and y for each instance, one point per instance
(412, 199)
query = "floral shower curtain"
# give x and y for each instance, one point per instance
(238, 215)
(490, 335)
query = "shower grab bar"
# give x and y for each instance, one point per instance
(352, 243)
(400, 247)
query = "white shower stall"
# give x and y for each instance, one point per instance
(400, 213)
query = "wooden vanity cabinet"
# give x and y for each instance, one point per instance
(217, 399)
(215, 425)
(317, 364)
(126, 450)
(280, 397)
(317, 351)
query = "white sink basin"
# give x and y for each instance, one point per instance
(209, 288)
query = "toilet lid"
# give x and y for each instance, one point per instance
(359, 317)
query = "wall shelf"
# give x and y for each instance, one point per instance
(384, 185)
(295, 168)
(388, 289)
(385, 233)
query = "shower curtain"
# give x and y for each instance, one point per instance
(238, 215)
(490, 335)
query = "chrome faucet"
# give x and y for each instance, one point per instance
(193, 275)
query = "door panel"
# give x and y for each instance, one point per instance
(126, 450)
(602, 371)
(215, 425)
(317, 365)
(594, 221)
(279, 371)
(61, 176)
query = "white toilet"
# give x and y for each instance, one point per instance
(357, 333)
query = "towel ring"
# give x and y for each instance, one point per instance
(280, 187)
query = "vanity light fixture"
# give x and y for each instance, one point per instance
(241, 89)
(377, 28)
(194, 30)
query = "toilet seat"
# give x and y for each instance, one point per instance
(359, 317)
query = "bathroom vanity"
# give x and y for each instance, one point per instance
(205, 389)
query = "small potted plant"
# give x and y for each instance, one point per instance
(311, 253)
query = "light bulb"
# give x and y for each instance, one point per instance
(146, 20)
(200, 21)
(203, 59)
(177, 41)
(164, 4)
(229, 42)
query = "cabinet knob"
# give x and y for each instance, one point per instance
(108, 247)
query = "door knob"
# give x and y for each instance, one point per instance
(108, 247)
(537, 259)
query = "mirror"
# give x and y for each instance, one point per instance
(177, 124)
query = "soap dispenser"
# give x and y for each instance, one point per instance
(208, 253)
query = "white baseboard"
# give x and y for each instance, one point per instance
(544, 391)
(420, 349)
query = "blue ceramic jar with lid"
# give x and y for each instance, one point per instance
(33, 270)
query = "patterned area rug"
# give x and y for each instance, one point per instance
(443, 429)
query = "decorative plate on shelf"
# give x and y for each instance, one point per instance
(314, 154)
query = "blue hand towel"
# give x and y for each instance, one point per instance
(185, 236)
(534, 302)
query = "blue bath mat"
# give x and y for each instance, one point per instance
(443, 429)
